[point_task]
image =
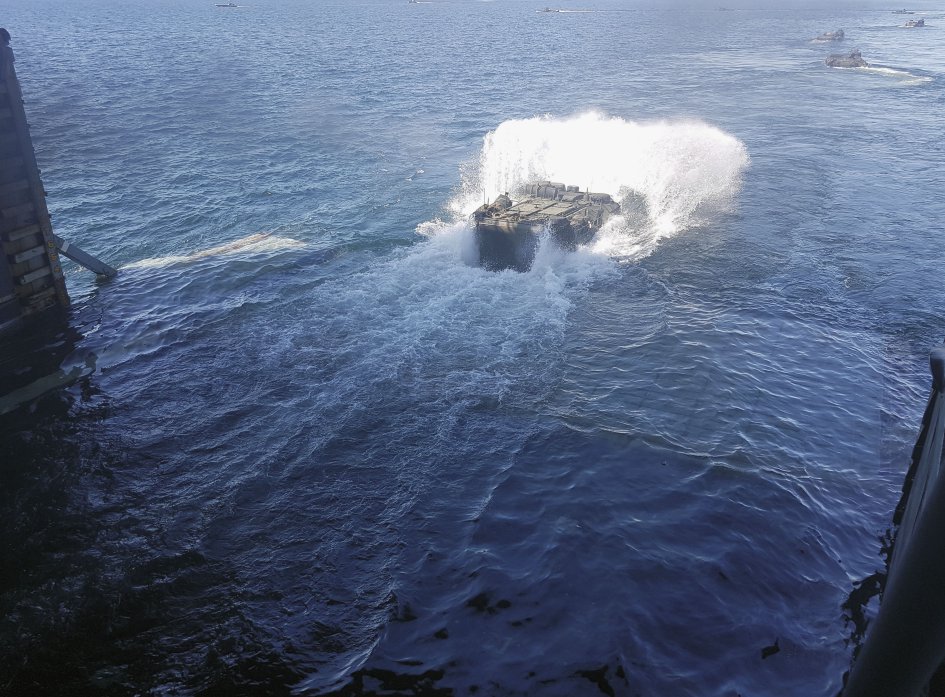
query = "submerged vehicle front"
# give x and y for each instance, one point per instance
(508, 232)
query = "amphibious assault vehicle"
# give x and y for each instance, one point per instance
(507, 232)
(854, 60)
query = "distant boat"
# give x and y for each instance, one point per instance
(830, 36)
(903, 12)
(548, 9)
(227, 4)
(912, 23)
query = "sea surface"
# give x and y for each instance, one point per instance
(306, 445)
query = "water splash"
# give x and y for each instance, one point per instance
(668, 175)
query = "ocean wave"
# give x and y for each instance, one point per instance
(904, 75)
(261, 242)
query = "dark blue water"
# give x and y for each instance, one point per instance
(316, 448)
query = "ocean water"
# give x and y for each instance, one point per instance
(308, 446)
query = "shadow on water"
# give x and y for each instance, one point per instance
(95, 599)
(32, 359)
(375, 682)
(91, 599)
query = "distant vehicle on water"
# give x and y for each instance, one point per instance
(912, 23)
(830, 36)
(853, 60)
(903, 12)
(227, 4)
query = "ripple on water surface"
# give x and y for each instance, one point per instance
(320, 452)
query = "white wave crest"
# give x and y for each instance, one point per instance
(262, 242)
(905, 76)
(678, 169)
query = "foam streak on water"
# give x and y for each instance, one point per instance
(904, 76)
(252, 244)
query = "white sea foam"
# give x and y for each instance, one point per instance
(431, 305)
(428, 319)
(262, 242)
(906, 77)
(681, 170)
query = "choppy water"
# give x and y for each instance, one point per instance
(318, 449)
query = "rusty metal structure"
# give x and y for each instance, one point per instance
(31, 277)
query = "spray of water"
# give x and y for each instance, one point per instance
(668, 175)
